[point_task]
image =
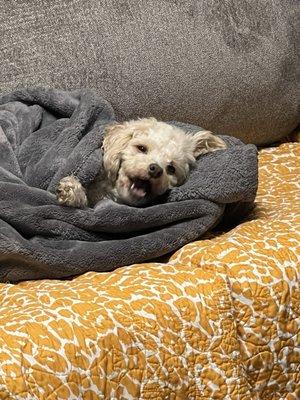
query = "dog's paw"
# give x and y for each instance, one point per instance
(69, 192)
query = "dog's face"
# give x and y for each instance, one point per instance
(145, 158)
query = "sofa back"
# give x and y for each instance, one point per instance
(228, 66)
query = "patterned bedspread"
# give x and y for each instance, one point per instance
(220, 320)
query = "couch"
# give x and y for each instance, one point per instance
(220, 318)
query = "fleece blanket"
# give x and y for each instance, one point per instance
(48, 134)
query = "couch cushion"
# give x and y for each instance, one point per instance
(220, 320)
(227, 66)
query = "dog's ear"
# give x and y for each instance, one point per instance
(206, 142)
(116, 138)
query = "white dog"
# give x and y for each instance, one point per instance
(142, 159)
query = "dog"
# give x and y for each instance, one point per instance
(142, 160)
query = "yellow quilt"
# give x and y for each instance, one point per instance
(221, 320)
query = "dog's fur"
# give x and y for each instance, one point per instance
(142, 159)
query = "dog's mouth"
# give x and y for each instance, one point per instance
(140, 187)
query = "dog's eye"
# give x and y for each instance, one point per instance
(141, 148)
(171, 169)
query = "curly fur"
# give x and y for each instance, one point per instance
(142, 159)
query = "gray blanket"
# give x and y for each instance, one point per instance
(48, 134)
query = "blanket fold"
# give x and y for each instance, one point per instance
(48, 134)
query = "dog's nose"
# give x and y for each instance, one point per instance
(155, 171)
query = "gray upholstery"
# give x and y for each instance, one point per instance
(229, 66)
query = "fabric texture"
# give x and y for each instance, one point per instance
(47, 135)
(219, 320)
(228, 66)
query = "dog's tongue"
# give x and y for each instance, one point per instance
(139, 187)
(138, 192)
